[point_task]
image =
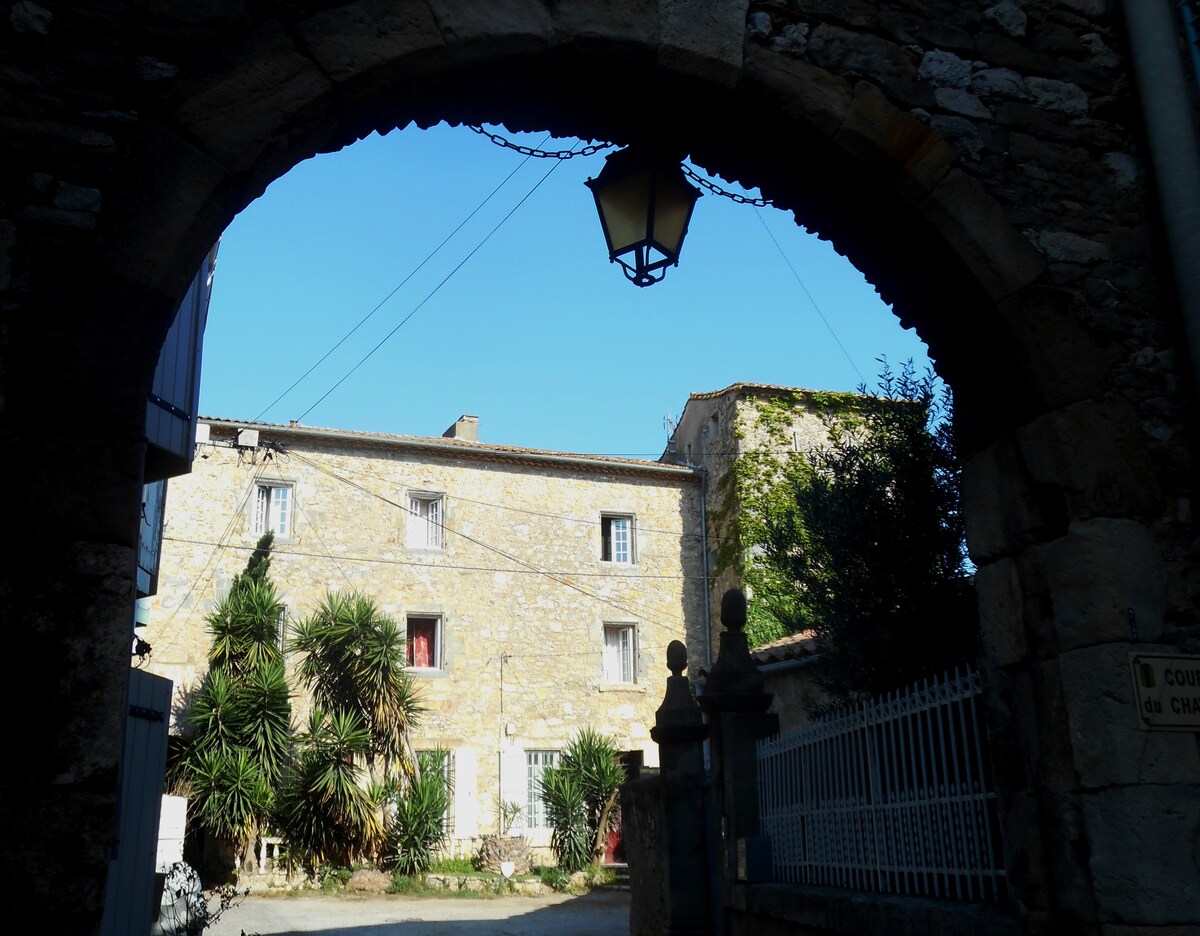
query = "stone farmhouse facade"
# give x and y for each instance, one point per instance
(539, 589)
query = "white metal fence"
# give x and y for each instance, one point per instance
(893, 796)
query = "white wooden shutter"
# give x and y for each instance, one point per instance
(513, 783)
(435, 523)
(262, 504)
(466, 797)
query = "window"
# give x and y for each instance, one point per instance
(424, 641)
(281, 625)
(535, 806)
(620, 653)
(273, 509)
(616, 539)
(425, 521)
(441, 762)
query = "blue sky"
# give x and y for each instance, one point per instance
(520, 320)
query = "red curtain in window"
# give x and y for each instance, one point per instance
(420, 642)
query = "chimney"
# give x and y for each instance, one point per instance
(467, 427)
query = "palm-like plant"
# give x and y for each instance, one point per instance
(239, 721)
(232, 793)
(328, 811)
(418, 828)
(263, 711)
(245, 627)
(566, 811)
(353, 660)
(581, 795)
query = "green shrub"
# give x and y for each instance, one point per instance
(599, 876)
(566, 811)
(409, 886)
(556, 878)
(333, 879)
(418, 831)
(580, 796)
(456, 866)
(326, 810)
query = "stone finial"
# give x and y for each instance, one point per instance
(678, 709)
(733, 610)
(734, 683)
(677, 657)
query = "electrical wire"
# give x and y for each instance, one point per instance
(401, 285)
(221, 545)
(559, 578)
(431, 293)
(521, 510)
(328, 554)
(820, 314)
(448, 566)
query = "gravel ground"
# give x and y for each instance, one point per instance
(601, 913)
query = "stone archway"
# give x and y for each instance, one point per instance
(981, 167)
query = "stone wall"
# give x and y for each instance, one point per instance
(518, 584)
(740, 436)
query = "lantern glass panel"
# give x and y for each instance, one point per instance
(624, 207)
(672, 211)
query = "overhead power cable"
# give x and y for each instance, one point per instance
(400, 286)
(820, 314)
(284, 551)
(587, 521)
(432, 292)
(204, 574)
(561, 579)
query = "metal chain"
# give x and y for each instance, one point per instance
(590, 150)
(593, 148)
(717, 190)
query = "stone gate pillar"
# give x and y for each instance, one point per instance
(736, 706)
(668, 848)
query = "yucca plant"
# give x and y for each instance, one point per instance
(231, 793)
(418, 829)
(328, 810)
(263, 712)
(238, 735)
(566, 811)
(353, 660)
(581, 795)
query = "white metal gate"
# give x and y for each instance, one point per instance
(892, 796)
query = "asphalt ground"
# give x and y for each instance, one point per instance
(600, 913)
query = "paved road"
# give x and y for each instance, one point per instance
(602, 913)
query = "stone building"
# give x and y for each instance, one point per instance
(742, 439)
(539, 590)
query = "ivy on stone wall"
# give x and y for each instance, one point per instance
(855, 536)
(757, 486)
(869, 543)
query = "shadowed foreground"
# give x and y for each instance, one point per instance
(604, 913)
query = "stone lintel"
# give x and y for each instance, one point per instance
(977, 228)
(703, 39)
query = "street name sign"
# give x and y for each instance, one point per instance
(1167, 690)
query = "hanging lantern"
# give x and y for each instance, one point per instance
(645, 203)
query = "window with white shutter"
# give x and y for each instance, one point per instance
(273, 509)
(425, 521)
(620, 653)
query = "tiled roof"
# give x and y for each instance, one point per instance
(748, 387)
(792, 647)
(447, 446)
